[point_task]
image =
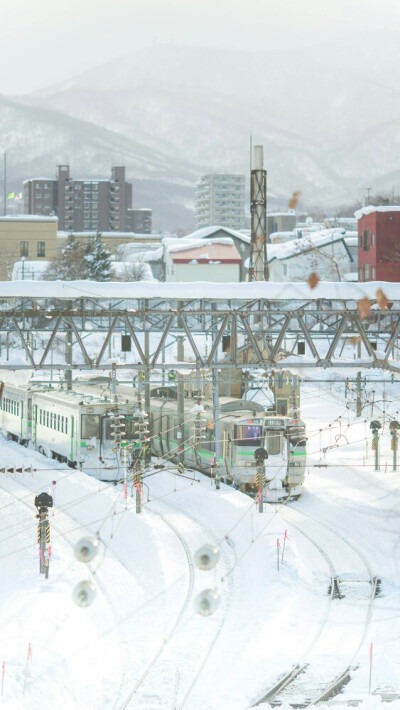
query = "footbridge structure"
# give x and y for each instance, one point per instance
(72, 325)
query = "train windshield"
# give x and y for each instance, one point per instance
(248, 435)
(273, 441)
(90, 426)
(129, 427)
(297, 435)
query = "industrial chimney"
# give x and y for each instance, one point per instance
(258, 209)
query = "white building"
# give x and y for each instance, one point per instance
(197, 260)
(326, 253)
(220, 199)
(240, 240)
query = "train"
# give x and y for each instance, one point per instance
(74, 427)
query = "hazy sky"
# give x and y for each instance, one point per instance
(44, 41)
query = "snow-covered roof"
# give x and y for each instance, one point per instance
(351, 241)
(287, 250)
(291, 213)
(206, 232)
(199, 290)
(147, 255)
(381, 208)
(113, 235)
(185, 243)
(25, 182)
(27, 218)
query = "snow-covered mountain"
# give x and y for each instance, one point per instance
(328, 116)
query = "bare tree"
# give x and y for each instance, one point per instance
(134, 271)
(308, 247)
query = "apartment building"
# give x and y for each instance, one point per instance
(81, 205)
(378, 243)
(139, 221)
(220, 200)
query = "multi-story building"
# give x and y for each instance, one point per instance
(139, 221)
(26, 237)
(378, 243)
(81, 205)
(220, 200)
(281, 221)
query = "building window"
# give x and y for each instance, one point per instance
(24, 249)
(366, 245)
(360, 274)
(373, 273)
(366, 271)
(372, 240)
(41, 249)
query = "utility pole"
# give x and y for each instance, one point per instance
(359, 406)
(180, 402)
(5, 183)
(68, 355)
(147, 386)
(114, 396)
(393, 428)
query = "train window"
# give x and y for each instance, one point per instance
(66, 425)
(273, 441)
(40, 416)
(248, 435)
(58, 423)
(47, 419)
(62, 425)
(90, 426)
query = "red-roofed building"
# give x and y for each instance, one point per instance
(379, 244)
(205, 260)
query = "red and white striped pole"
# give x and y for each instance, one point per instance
(371, 650)
(28, 658)
(285, 537)
(278, 545)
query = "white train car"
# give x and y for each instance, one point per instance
(16, 412)
(76, 428)
(72, 427)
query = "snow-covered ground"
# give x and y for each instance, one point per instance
(141, 644)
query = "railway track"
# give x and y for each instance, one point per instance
(178, 619)
(304, 684)
(191, 674)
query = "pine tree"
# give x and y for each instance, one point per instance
(70, 265)
(97, 259)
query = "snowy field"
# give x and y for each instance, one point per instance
(142, 645)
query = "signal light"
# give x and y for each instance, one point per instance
(207, 602)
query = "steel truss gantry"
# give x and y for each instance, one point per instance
(261, 331)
